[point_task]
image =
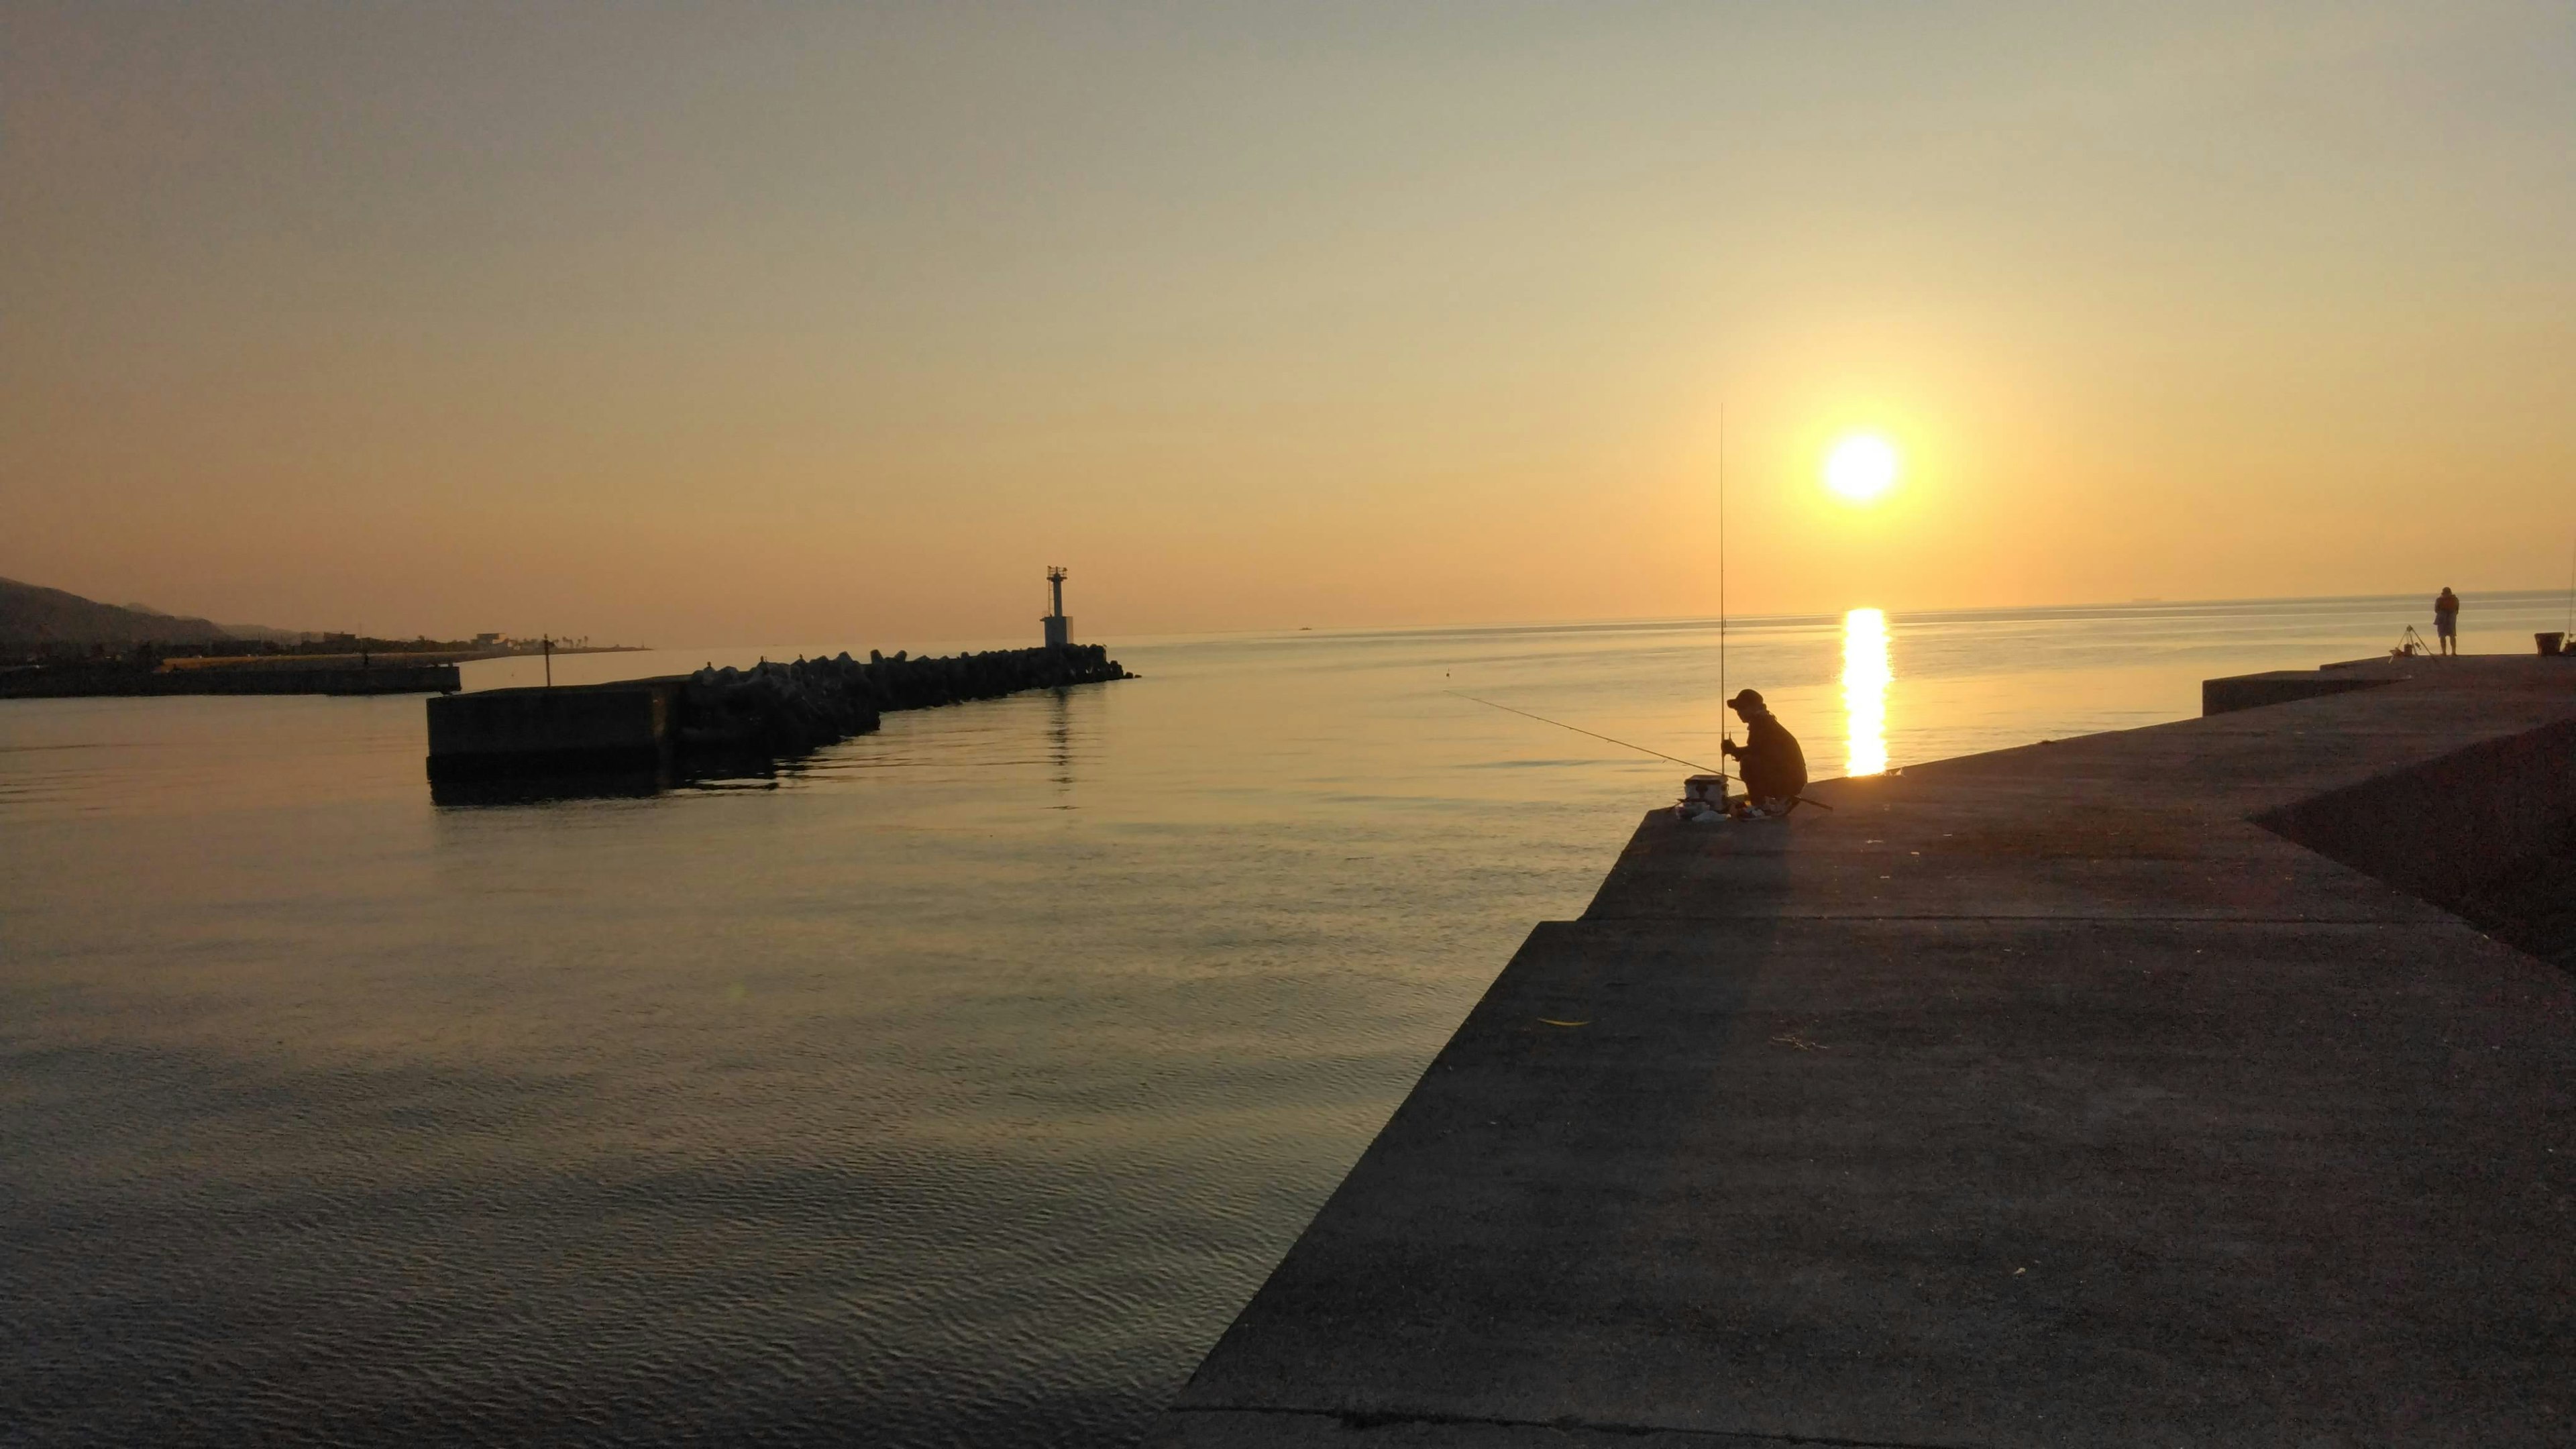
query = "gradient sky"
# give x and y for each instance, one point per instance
(740, 323)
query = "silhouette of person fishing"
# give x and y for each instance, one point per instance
(1774, 768)
(2446, 620)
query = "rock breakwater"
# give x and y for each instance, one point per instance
(719, 721)
(785, 709)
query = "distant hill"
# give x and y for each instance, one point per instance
(32, 616)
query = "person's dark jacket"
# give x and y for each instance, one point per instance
(1774, 767)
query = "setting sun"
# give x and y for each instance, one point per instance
(1861, 468)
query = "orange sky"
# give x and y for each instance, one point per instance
(751, 323)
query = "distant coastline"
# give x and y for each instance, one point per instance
(368, 672)
(380, 658)
(57, 645)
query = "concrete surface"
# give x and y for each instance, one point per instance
(2281, 686)
(2037, 1097)
(623, 725)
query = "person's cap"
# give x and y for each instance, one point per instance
(1744, 697)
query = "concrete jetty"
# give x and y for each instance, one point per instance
(631, 725)
(2129, 1089)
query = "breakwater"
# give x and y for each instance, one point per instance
(69, 681)
(717, 720)
(787, 708)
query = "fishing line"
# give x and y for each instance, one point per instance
(1580, 730)
(1722, 696)
(1623, 744)
(1721, 642)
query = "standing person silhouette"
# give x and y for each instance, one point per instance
(2446, 620)
(1775, 769)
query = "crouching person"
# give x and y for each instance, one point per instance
(1774, 768)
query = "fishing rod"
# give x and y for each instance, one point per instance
(1724, 734)
(1727, 736)
(1580, 730)
(1623, 744)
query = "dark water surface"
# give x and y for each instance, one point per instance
(954, 1087)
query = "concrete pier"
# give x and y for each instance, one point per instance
(631, 725)
(2095, 1092)
(2280, 686)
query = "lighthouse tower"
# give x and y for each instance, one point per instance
(1059, 629)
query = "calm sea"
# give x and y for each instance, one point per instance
(954, 1086)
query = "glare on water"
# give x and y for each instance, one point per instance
(1865, 681)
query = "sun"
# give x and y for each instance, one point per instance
(1861, 468)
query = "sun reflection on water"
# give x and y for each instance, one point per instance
(1865, 680)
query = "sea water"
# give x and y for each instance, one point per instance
(953, 1085)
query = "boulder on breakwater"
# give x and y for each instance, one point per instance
(783, 709)
(719, 716)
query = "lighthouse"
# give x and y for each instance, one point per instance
(1059, 629)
